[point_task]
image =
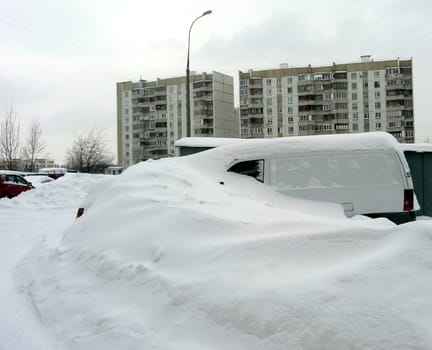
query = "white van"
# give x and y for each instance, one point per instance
(366, 173)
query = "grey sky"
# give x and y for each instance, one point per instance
(60, 60)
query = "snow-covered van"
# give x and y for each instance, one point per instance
(366, 173)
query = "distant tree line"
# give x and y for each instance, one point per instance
(11, 148)
(88, 152)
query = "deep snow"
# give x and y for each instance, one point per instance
(167, 257)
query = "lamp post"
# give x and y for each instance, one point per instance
(188, 112)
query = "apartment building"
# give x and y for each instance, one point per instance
(342, 98)
(151, 115)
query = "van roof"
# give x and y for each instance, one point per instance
(206, 141)
(315, 143)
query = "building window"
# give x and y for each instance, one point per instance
(289, 80)
(290, 110)
(269, 111)
(126, 94)
(378, 115)
(354, 86)
(243, 92)
(377, 94)
(290, 100)
(354, 96)
(269, 91)
(269, 101)
(244, 82)
(355, 106)
(377, 105)
(376, 83)
(278, 81)
(355, 116)
(378, 125)
(355, 127)
(376, 74)
(354, 75)
(268, 81)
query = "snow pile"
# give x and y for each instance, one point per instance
(173, 254)
(65, 192)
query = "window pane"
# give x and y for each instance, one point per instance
(254, 168)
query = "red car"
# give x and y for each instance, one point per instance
(12, 185)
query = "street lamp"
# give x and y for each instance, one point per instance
(188, 112)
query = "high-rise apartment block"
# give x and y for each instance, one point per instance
(151, 115)
(341, 98)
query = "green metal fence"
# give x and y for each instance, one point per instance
(420, 164)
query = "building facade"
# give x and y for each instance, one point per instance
(341, 98)
(151, 116)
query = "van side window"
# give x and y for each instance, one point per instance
(254, 168)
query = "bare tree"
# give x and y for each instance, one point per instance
(34, 144)
(9, 138)
(89, 153)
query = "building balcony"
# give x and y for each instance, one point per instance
(203, 86)
(203, 96)
(395, 87)
(395, 97)
(255, 83)
(203, 131)
(141, 110)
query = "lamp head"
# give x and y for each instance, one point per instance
(208, 12)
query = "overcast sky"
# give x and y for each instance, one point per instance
(60, 60)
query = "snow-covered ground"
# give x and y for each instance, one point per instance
(167, 258)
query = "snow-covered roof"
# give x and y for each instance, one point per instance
(350, 142)
(316, 143)
(53, 170)
(417, 147)
(206, 141)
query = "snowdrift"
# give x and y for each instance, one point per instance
(173, 254)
